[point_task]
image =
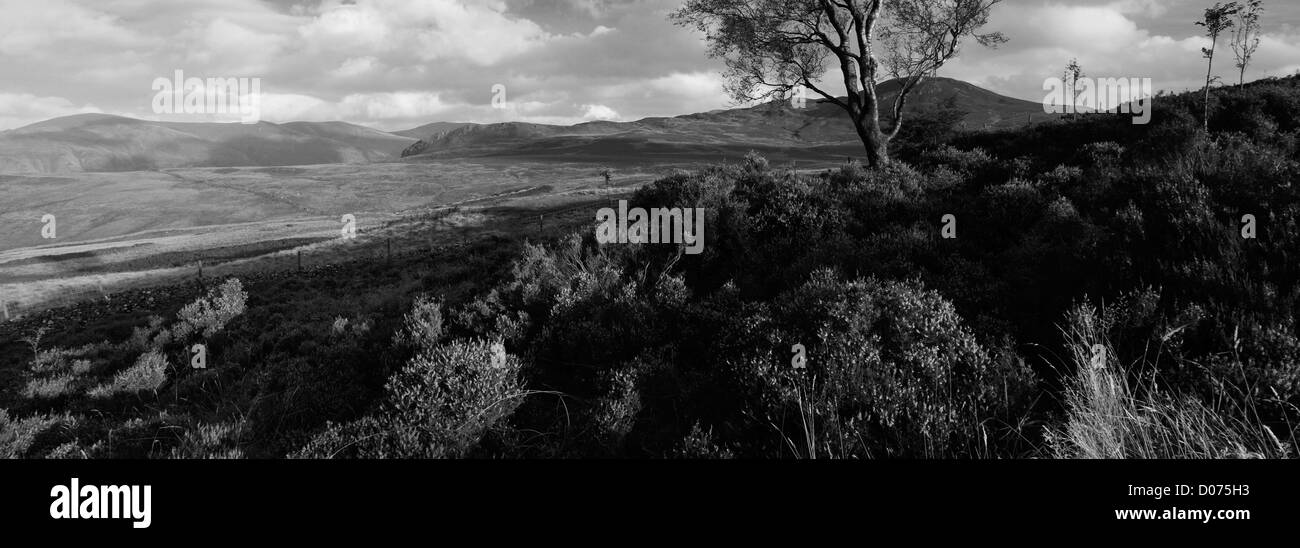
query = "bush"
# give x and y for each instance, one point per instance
(440, 405)
(148, 373)
(700, 444)
(81, 367)
(48, 388)
(144, 338)
(18, 437)
(209, 441)
(457, 390)
(422, 326)
(208, 315)
(53, 360)
(891, 370)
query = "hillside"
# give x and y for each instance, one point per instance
(1073, 238)
(431, 130)
(101, 142)
(819, 131)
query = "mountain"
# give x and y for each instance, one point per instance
(820, 129)
(430, 130)
(102, 142)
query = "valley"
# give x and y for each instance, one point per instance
(120, 231)
(142, 203)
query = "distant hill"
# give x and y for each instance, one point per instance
(431, 130)
(820, 130)
(101, 142)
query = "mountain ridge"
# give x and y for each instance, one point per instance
(106, 142)
(819, 130)
(819, 127)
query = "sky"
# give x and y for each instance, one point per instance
(397, 64)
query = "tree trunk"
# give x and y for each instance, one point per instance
(867, 124)
(875, 143)
(1209, 69)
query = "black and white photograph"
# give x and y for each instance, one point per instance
(1054, 243)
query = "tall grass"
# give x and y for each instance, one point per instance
(1106, 418)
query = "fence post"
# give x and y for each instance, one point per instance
(5, 306)
(541, 222)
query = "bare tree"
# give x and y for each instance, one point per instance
(1245, 38)
(772, 47)
(1073, 72)
(1217, 19)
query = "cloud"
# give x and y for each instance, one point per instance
(347, 27)
(1110, 39)
(480, 32)
(356, 66)
(1148, 8)
(232, 48)
(393, 106)
(599, 112)
(19, 109)
(395, 64)
(31, 28)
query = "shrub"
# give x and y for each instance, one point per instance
(144, 338)
(975, 166)
(48, 388)
(75, 450)
(1105, 154)
(756, 163)
(51, 361)
(208, 315)
(456, 391)
(422, 326)
(964, 161)
(81, 367)
(209, 441)
(148, 373)
(340, 326)
(441, 404)
(367, 437)
(617, 412)
(700, 444)
(18, 437)
(892, 370)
